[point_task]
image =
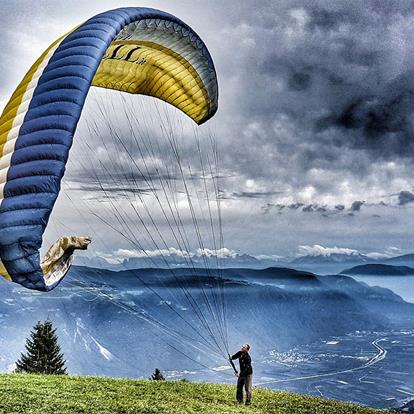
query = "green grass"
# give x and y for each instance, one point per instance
(67, 394)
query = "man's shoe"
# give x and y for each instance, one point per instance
(248, 403)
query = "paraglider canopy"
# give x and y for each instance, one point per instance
(134, 50)
(165, 60)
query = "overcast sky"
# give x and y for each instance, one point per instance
(314, 128)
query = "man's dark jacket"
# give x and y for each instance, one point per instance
(245, 363)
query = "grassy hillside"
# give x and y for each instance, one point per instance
(55, 395)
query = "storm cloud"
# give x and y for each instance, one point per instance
(356, 205)
(405, 197)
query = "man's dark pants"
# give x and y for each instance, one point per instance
(246, 382)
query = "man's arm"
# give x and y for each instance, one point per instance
(232, 364)
(236, 355)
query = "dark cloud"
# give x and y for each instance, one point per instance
(316, 208)
(251, 194)
(381, 123)
(356, 205)
(103, 190)
(323, 19)
(330, 97)
(117, 176)
(299, 81)
(267, 207)
(308, 209)
(295, 206)
(405, 197)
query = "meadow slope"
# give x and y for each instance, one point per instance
(36, 394)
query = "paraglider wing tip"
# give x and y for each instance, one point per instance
(57, 261)
(208, 116)
(84, 242)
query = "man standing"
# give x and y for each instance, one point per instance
(245, 375)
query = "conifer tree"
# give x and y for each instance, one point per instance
(43, 354)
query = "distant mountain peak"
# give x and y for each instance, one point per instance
(351, 257)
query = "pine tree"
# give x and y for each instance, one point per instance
(157, 376)
(43, 355)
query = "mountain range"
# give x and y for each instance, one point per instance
(176, 261)
(326, 264)
(126, 323)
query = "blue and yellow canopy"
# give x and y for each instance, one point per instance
(134, 50)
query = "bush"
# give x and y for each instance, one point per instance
(157, 376)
